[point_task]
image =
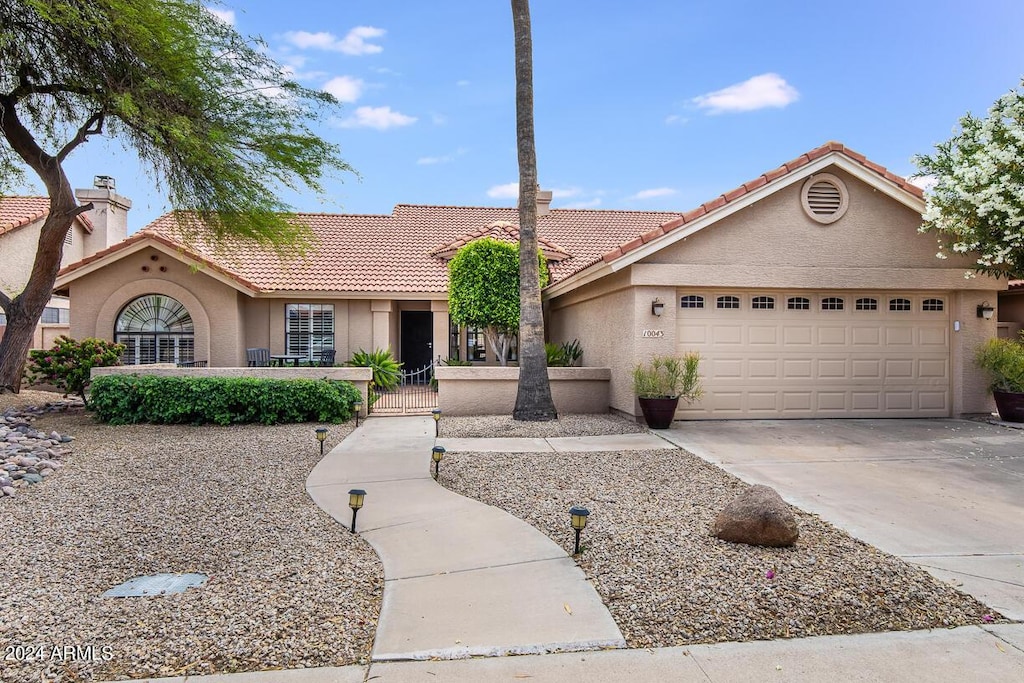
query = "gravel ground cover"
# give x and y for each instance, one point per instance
(668, 582)
(486, 426)
(289, 587)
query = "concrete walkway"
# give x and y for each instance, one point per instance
(970, 653)
(462, 578)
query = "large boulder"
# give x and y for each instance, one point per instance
(758, 516)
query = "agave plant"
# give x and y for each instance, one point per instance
(387, 372)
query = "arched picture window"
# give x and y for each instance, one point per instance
(155, 329)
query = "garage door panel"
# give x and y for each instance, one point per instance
(809, 362)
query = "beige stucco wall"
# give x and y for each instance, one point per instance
(774, 244)
(492, 390)
(19, 252)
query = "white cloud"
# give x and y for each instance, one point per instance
(589, 204)
(446, 159)
(462, 84)
(345, 88)
(506, 191)
(225, 15)
(564, 193)
(925, 182)
(380, 118)
(759, 92)
(652, 193)
(676, 119)
(354, 42)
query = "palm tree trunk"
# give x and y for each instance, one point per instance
(533, 398)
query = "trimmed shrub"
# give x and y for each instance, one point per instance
(131, 399)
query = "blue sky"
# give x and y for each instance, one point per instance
(639, 105)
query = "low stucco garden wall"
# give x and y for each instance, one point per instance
(360, 377)
(492, 390)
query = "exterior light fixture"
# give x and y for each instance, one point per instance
(436, 412)
(358, 405)
(579, 522)
(986, 311)
(657, 307)
(436, 454)
(355, 501)
(321, 436)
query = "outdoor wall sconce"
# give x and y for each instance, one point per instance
(355, 501)
(657, 307)
(358, 405)
(436, 413)
(321, 436)
(986, 311)
(436, 454)
(579, 522)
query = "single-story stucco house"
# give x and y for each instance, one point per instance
(808, 291)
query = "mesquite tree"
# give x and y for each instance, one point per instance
(215, 121)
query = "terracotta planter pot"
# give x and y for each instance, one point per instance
(658, 412)
(1010, 406)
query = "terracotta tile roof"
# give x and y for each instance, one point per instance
(762, 180)
(1016, 284)
(502, 231)
(403, 252)
(17, 212)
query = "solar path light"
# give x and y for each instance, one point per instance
(321, 436)
(436, 454)
(355, 501)
(358, 405)
(579, 523)
(436, 412)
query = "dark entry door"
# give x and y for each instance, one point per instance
(417, 335)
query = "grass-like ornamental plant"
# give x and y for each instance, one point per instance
(669, 377)
(1003, 360)
(131, 399)
(387, 372)
(564, 355)
(69, 363)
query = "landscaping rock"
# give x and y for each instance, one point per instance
(757, 516)
(26, 454)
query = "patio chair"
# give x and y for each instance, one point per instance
(192, 364)
(326, 359)
(258, 358)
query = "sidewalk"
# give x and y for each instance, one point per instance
(462, 578)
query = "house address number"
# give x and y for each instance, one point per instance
(653, 334)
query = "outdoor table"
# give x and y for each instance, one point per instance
(283, 358)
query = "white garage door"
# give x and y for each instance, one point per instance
(823, 354)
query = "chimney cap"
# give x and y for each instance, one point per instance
(104, 182)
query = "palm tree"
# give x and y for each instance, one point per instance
(533, 398)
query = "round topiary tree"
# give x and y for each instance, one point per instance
(483, 291)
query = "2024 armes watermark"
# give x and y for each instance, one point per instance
(57, 653)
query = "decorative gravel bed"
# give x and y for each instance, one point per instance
(288, 587)
(667, 581)
(484, 426)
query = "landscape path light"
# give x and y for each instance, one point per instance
(355, 501)
(579, 523)
(436, 413)
(436, 454)
(358, 405)
(321, 436)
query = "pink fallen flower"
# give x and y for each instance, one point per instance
(988, 617)
(770, 574)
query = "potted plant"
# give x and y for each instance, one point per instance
(1003, 360)
(660, 383)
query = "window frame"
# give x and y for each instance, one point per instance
(308, 342)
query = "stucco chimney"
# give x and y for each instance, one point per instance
(109, 214)
(543, 202)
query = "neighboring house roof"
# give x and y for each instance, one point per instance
(17, 212)
(1016, 285)
(405, 252)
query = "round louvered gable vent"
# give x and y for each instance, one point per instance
(824, 198)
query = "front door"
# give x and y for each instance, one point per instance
(417, 340)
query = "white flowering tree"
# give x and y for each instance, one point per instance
(977, 202)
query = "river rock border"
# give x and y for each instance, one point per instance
(30, 455)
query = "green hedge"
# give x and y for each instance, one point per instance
(130, 399)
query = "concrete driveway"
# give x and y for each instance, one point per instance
(947, 495)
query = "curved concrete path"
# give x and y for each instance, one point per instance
(461, 578)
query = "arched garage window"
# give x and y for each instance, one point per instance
(155, 329)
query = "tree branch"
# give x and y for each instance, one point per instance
(23, 143)
(92, 126)
(5, 301)
(27, 87)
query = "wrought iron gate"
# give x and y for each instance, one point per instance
(414, 394)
